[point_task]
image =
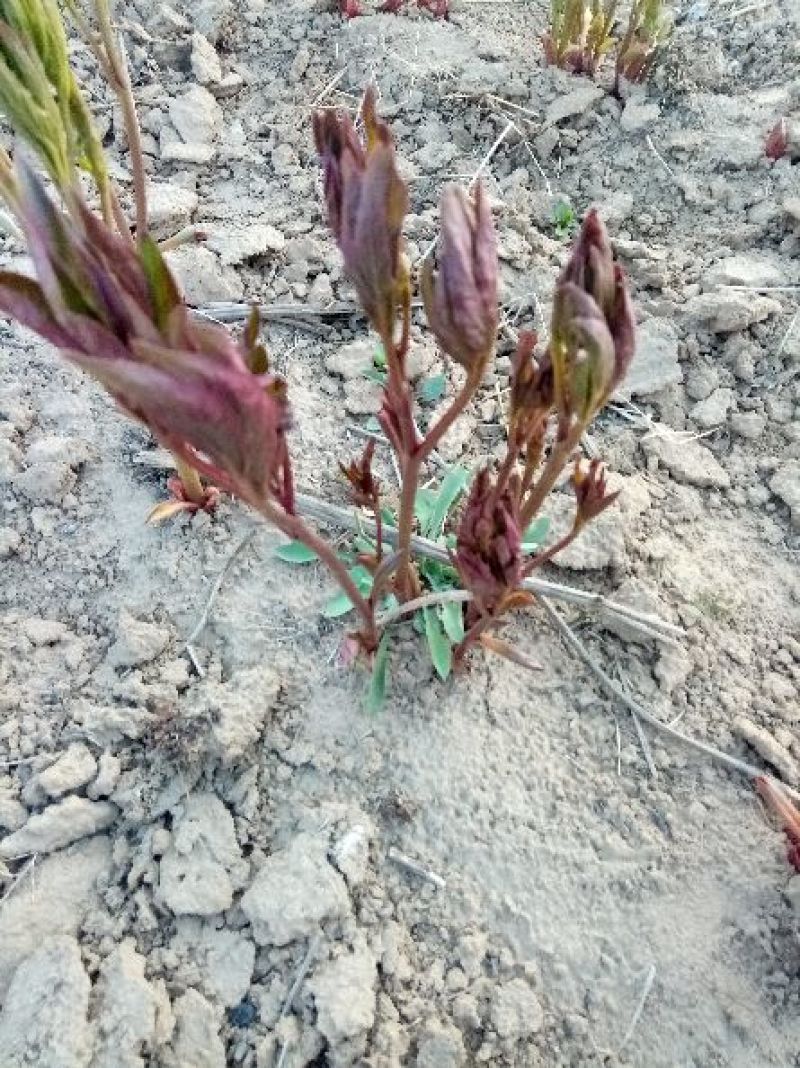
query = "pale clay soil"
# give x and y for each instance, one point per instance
(198, 871)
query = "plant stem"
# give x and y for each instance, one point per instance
(556, 461)
(510, 652)
(117, 67)
(411, 466)
(294, 527)
(428, 600)
(192, 484)
(555, 548)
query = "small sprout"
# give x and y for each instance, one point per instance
(489, 543)
(579, 34)
(591, 492)
(777, 143)
(564, 220)
(649, 28)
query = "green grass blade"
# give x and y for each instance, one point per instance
(439, 644)
(453, 485)
(376, 695)
(452, 617)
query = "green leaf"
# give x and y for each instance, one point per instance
(453, 485)
(340, 604)
(376, 695)
(424, 503)
(374, 375)
(438, 575)
(535, 534)
(438, 643)
(294, 552)
(379, 359)
(452, 617)
(373, 426)
(432, 389)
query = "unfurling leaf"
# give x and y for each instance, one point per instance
(453, 485)
(432, 389)
(167, 510)
(536, 533)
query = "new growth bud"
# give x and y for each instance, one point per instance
(461, 295)
(593, 326)
(489, 543)
(367, 201)
(591, 492)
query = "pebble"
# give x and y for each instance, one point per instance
(196, 115)
(515, 1011)
(730, 311)
(688, 461)
(138, 642)
(344, 995)
(73, 769)
(202, 277)
(785, 483)
(576, 102)
(127, 1009)
(10, 542)
(109, 770)
(745, 270)
(638, 115)
(235, 244)
(206, 65)
(203, 866)
(197, 1025)
(44, 1016)
(352, 361)
(655, 365)
(713, 411)
(293, 892)
(440, 1045)
(59, 826)
(170, 206)
(748, 425)
(362, 396)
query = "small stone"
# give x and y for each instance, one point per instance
(672, 669)
(350, 853)
(352, 361)
(655, 365)
(43, 1021)
(600, 546)
(203, 866)
(238, 710)
(515, 1011)
(730, 311)
(41, 632)
(749, 425)
(577, 102)
(713, 411)
(171, 207)
(221, 959)
(126, 1006)
(206, 65)
(174, 151)
(637, 595)
(196, 115)
(137, 642)
(13, 814)
(202, 277)
(45, 483)
(638, 115)
(293, 892)
(440, 1045)
(64, 895)
(688, 461)
(363, 396)
(767, 747)
(59, 826)
(344, 995)
(197, 1042)
(10, 542)
(236, 244)
(785, 483)
(210, 17)
(110, 768)
(701, 382)
(745, 270)
(71, 771)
